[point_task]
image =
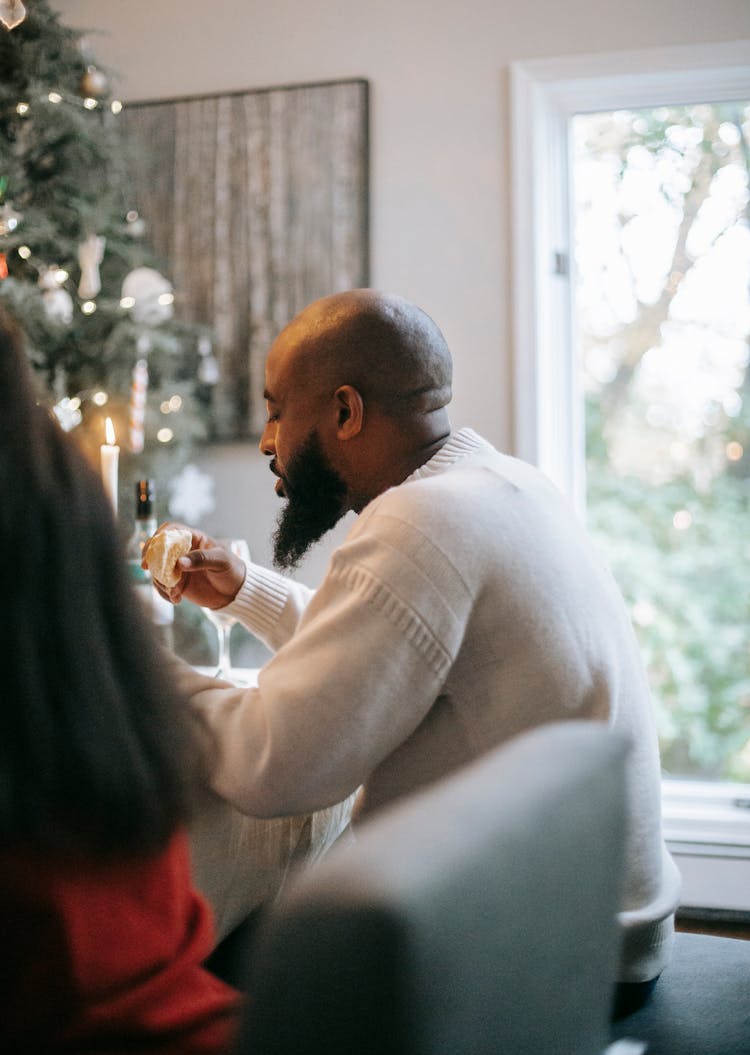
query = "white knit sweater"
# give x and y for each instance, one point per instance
(464, 606)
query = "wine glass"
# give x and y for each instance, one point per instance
(219, 618)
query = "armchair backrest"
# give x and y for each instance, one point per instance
(476, 916)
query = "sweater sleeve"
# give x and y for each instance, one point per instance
(270, 605)
(363, 669)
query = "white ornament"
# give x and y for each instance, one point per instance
(208, 367)
(12, 13)
(48, 278)
(9, 218)
(151, 294)
(191, 495)
(58, 303)
(208, 371)
(136, 225)
(90, 254)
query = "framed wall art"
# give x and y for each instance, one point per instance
(257, 202)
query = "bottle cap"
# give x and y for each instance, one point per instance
(145, 495)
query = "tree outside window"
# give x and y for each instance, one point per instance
(662, 261)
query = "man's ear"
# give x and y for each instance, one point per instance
(350, 411)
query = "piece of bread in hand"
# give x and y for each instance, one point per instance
(162, 552)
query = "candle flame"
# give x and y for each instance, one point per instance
(109, 431)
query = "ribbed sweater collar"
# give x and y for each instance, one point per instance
(458, 445)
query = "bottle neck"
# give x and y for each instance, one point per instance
(143, 529)
(147, 523)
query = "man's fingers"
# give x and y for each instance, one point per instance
(204, 560)
(174, 594)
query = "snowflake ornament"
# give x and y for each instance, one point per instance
(191, 495)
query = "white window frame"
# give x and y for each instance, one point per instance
(708, 833)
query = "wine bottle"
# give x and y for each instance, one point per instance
(159, 611)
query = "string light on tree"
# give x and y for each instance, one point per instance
(68, 413)
(172, 405)
(12, 13)
(734, 451)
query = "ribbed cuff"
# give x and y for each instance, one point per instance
(260, 600)
(645, 950)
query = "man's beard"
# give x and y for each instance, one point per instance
(315, 503)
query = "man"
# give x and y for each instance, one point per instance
(464, 606)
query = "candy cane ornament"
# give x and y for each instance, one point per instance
(137, 415)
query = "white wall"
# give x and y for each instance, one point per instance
(440, 224)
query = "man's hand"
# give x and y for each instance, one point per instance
(210, 576)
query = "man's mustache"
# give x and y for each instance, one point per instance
(280, 489)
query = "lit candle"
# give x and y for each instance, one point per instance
(110, 454)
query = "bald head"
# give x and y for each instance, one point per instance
(387, 348)
(356, 392)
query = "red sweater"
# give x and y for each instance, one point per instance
(106, 958)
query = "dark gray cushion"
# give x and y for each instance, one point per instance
(478, 916)
(701, 1003)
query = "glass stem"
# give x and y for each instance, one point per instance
(225, 664)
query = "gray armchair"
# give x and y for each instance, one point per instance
(478, 916)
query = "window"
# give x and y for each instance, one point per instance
(661, 310)
(601, 144)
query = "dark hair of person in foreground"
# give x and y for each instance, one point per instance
(94, 750)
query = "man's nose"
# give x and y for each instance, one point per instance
(267, 445)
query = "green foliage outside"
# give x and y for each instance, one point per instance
(668, 410)
(691, 591)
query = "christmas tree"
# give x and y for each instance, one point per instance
(75, 266)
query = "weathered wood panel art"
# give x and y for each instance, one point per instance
(257, 202)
